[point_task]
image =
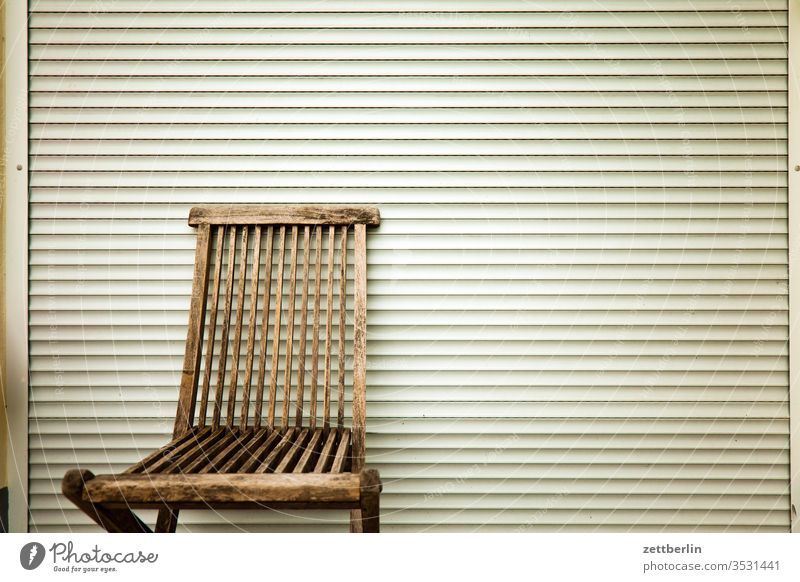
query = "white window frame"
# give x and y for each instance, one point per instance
(16, 260)
(16, 241)
(793, 160)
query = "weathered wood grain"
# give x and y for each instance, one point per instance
(284, 214)
(245, 452)
(310, 454)
(287, 368)
(122, 520)
(275, 455)
(360, 348)
(179, 463)
(187, 399)
(249, 465)
(232, 487)
(312, 411)
(301, 355)
(340, 367)
(237, 332)
(165, 460)
(167, 521)
(293, 452)
(163, 451)
(226, 327)
(326, 455)
(251, 330)
(370, 501)
(212, 325)
(224, 453)
(207, 458)
(342, 456)
(262, 352)
(326, 401)
(276, 332)
(226, 463)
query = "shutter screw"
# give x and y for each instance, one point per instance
(19, 167)
(796, 168)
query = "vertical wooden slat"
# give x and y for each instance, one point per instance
(340, 367)
(226, 324)
(301, 358)
(359, 348)
(212, 326)
(262, 351)
(287, 368)
(276, 335)
(251, 328)
(326, 402)
(312, 411)
(194, 337)
(237, 332)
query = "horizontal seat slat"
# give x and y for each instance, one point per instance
(221, 453)
(162, 452)
(325, 456)
(342, 453)
(248, 450)
(205, 455)
(259, 455)
(266, 450)
(273, 458)
(199, 436)
(181, 462)
(310, 454)
(293, 452)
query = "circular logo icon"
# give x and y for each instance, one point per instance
(31, 555)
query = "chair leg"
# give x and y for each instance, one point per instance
(167, 520)
(112, 520)
(355, 521)
(367, 519)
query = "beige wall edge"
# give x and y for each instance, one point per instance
(16, 258)
(3, 425)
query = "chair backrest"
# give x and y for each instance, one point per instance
(267, 342)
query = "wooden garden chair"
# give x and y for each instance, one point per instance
(253, 427)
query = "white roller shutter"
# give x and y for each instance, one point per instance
(578, 296)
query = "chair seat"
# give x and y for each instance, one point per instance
(203, 450)
(294, 467)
